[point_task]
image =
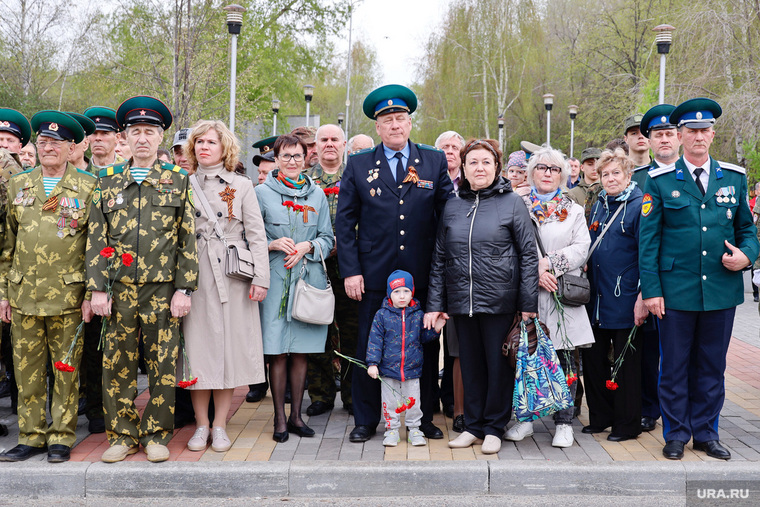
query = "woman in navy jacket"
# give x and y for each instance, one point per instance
(615, 304)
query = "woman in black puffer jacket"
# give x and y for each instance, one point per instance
(485, 269)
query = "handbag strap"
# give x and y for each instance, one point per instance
(321, 258)
(207, 208)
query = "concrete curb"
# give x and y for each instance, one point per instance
(361, 479)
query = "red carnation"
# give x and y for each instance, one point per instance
(61, 366)
(107, 252)
(187, 383)
(288, 204)
(297, 207)
(571, 379)
(127, 259)
(410, 402)
(611, 385)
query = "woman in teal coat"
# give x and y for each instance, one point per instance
(297, 222)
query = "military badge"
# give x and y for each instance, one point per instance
(372, 192)
(728, 213)
(119, 198)
(675, 194)
(96, 194)
(425, 184)
(646, 205)
(53, 127)
(111, 203)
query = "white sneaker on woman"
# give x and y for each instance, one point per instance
(519, 431)
(199, 439)
(563, 436)
(491, 445)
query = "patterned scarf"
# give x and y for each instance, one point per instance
(621, 197)
(543, 209)
(297, 184)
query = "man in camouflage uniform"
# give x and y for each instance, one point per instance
(342, 333)
(42, 288)
(144, 208)
(15, 132)
(589, 186)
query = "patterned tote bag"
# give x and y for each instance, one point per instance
(540, 385)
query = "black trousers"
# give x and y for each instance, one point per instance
(488, 378)
(365, 391)
(93, 369)
(621, 408)
(447, 382)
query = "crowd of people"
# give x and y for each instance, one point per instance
(174, 263)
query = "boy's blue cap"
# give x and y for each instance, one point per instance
(400, 279)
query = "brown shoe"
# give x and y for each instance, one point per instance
(117, 453)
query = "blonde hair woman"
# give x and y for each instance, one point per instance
(223, 333)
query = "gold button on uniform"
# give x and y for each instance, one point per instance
(401, 201)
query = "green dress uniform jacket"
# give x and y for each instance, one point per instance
(159, 232)
(682, 236)
(42, 264)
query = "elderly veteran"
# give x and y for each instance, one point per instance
(144, 210)
(696, 237)
(390, 200)
(103, 140)
(42, 289)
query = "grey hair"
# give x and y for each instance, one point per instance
(447, 135)
(549, 156)
(350, 145)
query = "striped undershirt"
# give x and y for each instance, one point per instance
(139, 173)
(49, 183)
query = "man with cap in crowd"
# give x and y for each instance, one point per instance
(696, 237)
(78, 158)
(637, 142)
(42, 289)
(341, 334)
(264, 161)
(15, 133)
(308, 135)
(663, 139)
(141, 246)
(178, 148)
(103, 141)
(395, 194)
(359, 142)
(589, 186)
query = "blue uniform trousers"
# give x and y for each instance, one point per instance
(693, 347)
(650, 367)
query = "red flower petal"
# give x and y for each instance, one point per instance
(410, 402)
(611, 385)
(107, 252)
(127, 259)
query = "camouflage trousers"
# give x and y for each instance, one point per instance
(38, 341)
(341, 336)
(140, 308)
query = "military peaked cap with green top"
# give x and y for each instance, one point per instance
(15, 123)
(657, 118)
(389, 99)
(143, 109)
(698, 113)
(87, 124)
(57, 125)
(266, 150)
(104, 118)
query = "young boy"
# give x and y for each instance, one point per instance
(394, 351)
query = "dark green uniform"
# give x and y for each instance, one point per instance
(342, 333)
(42, 275)
(154, 222)
(585, 195)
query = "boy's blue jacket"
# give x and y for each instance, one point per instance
(395, 341)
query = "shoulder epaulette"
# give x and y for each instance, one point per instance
(88, 173)
(662, 170)
(647, 167)
(427, 147)
(111, 170)
(365, 150)
(732, 167)
(173, 168)
(22, 172)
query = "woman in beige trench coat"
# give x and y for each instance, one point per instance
(223, 331)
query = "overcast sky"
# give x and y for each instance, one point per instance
(398, 30)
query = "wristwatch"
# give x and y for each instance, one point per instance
(186, 292)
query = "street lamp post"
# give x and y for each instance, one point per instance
(573, 113)
(341, 117)
(234, 24)
(275, 110)
(663, 39)
(548, 103)
(501, 132)
(308, 93)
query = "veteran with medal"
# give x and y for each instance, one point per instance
(390, 200)
(696, 237)
(143, 209)
(42, 289)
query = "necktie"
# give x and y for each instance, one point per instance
(697, 173)
(400, 171)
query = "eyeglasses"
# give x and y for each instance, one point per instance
(56, 145)
(551, 168)
(285, 157)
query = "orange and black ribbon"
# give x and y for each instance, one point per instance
(228, 195)
(51, 204)
(306, 210)
(411, 176)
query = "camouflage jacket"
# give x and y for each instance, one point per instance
(9, 165)
(42, 262)
(153, 221)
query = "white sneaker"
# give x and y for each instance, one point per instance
(416, 437)
(519, 431)
(391, 438)
(563, 436)
(491, 445)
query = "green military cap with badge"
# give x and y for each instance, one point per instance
(392, 98)
(657, 118)
(57, 125)
(15, 123)
(87, 124)
(588, 153)
(631, 122)
(266, 150)
(143, 109)
(699, 113)
(104, 118)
